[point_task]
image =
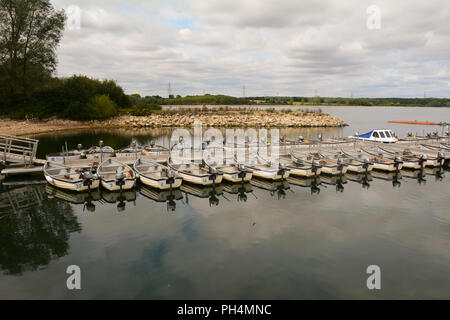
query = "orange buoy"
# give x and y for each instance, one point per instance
(416, 122)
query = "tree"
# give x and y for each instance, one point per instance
(30, 31)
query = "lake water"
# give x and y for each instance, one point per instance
(299, 240)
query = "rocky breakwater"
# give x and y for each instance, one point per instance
(260, 118)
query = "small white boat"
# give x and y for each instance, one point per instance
(407, 162)
(377, 135)
(379, 163)
(428, 158)
(69, 178)
(300, 167)
(99, 153)
(64, 156)
(115, 176)
(354, 165)
(330, 166)
(232, 172)
(132, 151)
(156, 175)
(197, 174)
(267, 170)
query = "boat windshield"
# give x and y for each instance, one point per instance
(382, 134)
(388, 134)
(375, 134)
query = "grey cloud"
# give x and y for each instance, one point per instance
(290, 47)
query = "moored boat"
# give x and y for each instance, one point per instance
(197, 174)
(379, 163)
(330, 166)
(265, 169)
(156, 175)
(116, 176)
(66, 155)
(232, 172)
(353, 165)
(70, 178)
(407, 162)
(300, 167)
(99, 153)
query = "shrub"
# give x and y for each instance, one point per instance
(99, 107)
(145, 109)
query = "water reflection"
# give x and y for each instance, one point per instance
(34, 229)
(166, 196)
(275, 188)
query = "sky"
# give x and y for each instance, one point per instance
(341, 48)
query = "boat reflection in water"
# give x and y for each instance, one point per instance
(312, 183)
(121, 198)
(85, 198)
(275, 187)
(211, 193)
(438, 173)
(394, 176)
(338, 181)
(239, 189)
(363, 178)
(418, 175)
(157, 195)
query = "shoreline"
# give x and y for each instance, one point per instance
(185, 119)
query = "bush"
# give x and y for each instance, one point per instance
(99, 107)
(145, 109)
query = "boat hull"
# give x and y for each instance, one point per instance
(234, 177)
(161, 183)
(111, 185)
(269, 175)
(200, 180)
(72, 186)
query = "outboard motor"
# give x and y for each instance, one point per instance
(88, 179)
(301, 138)
(242, 172)
(340, 166)
(440, 157)
(320, 137)
(212, 174)
(170, 178)
(120, 179)
(79, 147)
(366, 164)
(281, 170)
(422, 159)
(397, 161)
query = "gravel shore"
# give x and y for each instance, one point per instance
(280, 119)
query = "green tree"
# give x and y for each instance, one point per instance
(30, 31)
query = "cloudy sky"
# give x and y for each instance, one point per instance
(273, 47)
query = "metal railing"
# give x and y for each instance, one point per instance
(17, 149)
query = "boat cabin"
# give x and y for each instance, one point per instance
(378, 135)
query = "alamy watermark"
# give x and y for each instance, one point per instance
(374, 17)
(238, 145)
(74, 280)
(374, 280)
(73, 13)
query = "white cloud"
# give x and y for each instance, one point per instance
(286, 47)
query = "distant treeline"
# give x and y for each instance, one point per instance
(228, 100)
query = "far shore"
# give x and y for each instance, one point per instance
(214, 118)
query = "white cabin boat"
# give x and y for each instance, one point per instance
(377, 135)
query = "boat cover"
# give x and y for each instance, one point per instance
(366, 135)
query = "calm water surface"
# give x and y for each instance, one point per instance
(298, 240)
